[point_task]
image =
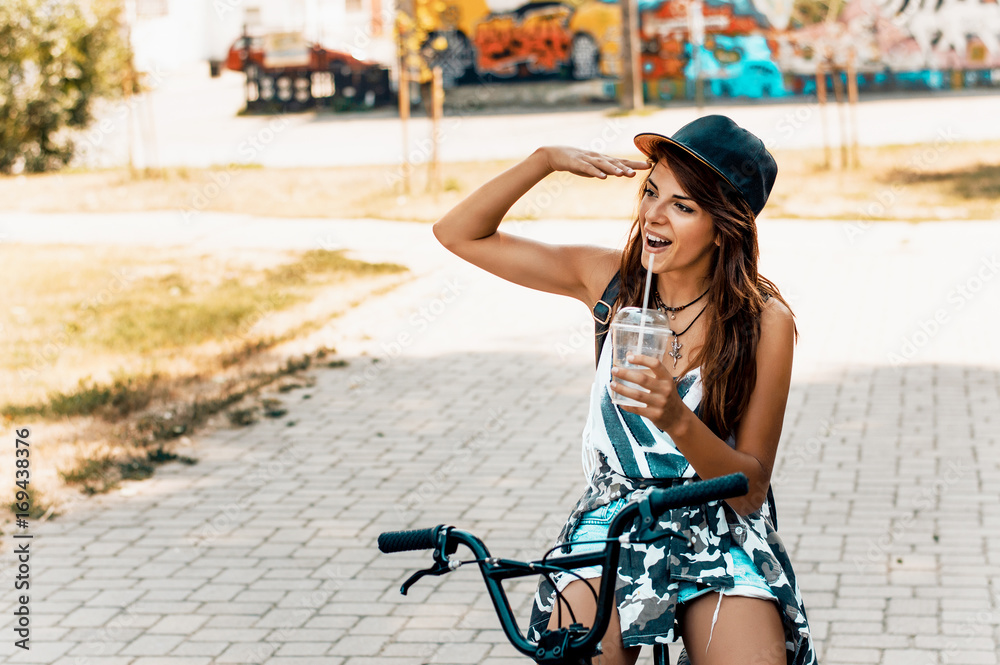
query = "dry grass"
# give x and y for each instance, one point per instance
(910, 183)
(99, 312)
(917, 183)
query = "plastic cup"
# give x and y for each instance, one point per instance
(625, 333)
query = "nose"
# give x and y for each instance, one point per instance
(656, 227)
(658, 211)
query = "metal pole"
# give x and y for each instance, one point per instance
(632, 98)
(821, 95)
(852, 98)
(404, 116)
(838, 92)
(696, 37)
(437, 110)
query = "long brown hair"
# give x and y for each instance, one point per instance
(736, 295)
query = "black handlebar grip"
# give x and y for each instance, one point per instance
(692, 494)
(404, 541)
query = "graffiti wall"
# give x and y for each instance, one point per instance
(741, 48)
(571, 39)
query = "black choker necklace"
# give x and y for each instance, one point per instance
(659, 303)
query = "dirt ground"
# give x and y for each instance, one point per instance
(917, 183)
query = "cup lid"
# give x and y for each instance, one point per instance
(636, 315)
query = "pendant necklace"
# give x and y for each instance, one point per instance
(675, 345)
(672, 310)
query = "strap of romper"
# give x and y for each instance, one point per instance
(770, 493)
(602, 315)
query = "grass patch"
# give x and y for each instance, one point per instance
(142, 445)
(326, 262)
(124, 396)
(72, 312)
(173, 311)
(97, 476)
(981, 181)
(247, 350)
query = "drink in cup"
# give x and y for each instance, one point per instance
(626, 328)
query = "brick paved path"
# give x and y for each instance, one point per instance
(263, 552)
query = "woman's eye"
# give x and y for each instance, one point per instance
(648, 192)
(683, 207)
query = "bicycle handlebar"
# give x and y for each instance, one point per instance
(566, 644)
(405, 541)
(692, 494)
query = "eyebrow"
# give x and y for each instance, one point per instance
(676, 196)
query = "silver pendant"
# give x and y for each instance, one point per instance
(675, 350)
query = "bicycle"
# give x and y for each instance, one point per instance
(575, 644)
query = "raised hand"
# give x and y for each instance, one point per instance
(588, 163)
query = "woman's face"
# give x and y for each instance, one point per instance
(675, 229)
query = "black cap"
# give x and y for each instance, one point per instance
(729, 150)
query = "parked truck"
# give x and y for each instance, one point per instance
(286, 72)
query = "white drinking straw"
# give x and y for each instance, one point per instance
(645, 304)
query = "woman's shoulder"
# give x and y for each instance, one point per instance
(775, 310)
(777, 323)
(604, 264)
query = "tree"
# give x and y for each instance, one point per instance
(56, 58)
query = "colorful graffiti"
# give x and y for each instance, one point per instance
(751, 48)
(894, 44)
(736, 58)
(574, 39)
(537, 37)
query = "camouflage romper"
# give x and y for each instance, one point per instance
(627, 454)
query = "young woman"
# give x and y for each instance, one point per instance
(713, 407)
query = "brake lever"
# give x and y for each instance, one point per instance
(436, 569)
(441, 563)
(646, 534)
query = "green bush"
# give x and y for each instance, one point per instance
(56, 58)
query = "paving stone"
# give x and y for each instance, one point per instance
(909, 656)
(912, 625)
(837, 655)
(89, 617)
(246, 652)
(359, 645)
(182, 625)
(460, 653)
(171, 660)
(379, 625)
(200, 648)
(964, 657)
(151, 645)
(303, 649)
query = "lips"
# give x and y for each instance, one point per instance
(655, 242)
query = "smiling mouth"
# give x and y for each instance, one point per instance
(656, 242)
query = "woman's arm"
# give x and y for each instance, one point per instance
(759, 429)
(469, 230)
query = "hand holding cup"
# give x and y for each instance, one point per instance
(651, 389)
